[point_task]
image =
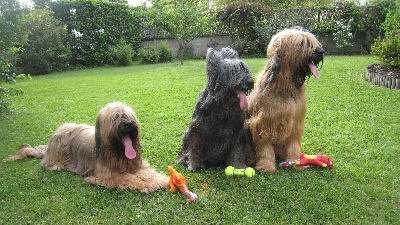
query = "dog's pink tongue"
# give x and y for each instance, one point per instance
(242, 99)
(314, 70)
(130, 152)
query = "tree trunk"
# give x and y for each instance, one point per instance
(180, 51)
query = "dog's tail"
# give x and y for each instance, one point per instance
(25, 150)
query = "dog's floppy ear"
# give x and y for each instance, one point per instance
(274, 66)
(212, 61)
(209, 52)
(210, 57)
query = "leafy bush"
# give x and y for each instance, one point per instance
(388, 51)
(251, 25)
(343, 36)
(239, 19)
(6, 76)
(388, 48)
(149, 55)
(267, 28)
(154, 54)
(342, 21)
(122, 54)
(45, 50)
(184, 20)
(346, 22)
(12, 34)
(95, 27)
(165, 52)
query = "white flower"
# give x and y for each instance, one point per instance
(77, 33)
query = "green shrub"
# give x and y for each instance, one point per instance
(6, 76)
(388, 51)
(95, 27)
(149, 55)
(388, 48)
(12, 37)
(238, 19)
(122, 54)
(153, 54)
(267, 28)
(251, 25)
(349, 23)
(165, 53)
(343, 36)
(45, 50)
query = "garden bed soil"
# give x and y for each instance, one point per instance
(380, 76)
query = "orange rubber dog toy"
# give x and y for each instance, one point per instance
(310, 160)
(178, 180)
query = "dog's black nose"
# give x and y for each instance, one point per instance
(128, 124)
(250, 83)
(319, 51)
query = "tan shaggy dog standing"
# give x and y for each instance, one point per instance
(108, 154)
(277, 105)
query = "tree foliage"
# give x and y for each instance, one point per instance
(253, 24)
(283, 3)
(41, 4)
(184, 20)
(240, 20)
(45, 50)
(12, 36)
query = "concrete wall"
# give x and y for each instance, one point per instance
(198, 46)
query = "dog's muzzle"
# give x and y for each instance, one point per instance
(248, 85)
(318, 56)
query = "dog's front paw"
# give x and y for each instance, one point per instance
(265, 167)
(183, 159)
(195, 167)
(91, 179)
(299, 167)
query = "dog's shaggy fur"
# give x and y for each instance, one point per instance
(215, 136)
(108, 154)
(277, 105)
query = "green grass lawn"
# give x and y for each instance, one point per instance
(350, 120)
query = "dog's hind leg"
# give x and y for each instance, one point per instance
(183, 152)
(25, 150)
(191, 153)
(196, 160)
(196, 155)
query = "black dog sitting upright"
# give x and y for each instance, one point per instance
(215, 136)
